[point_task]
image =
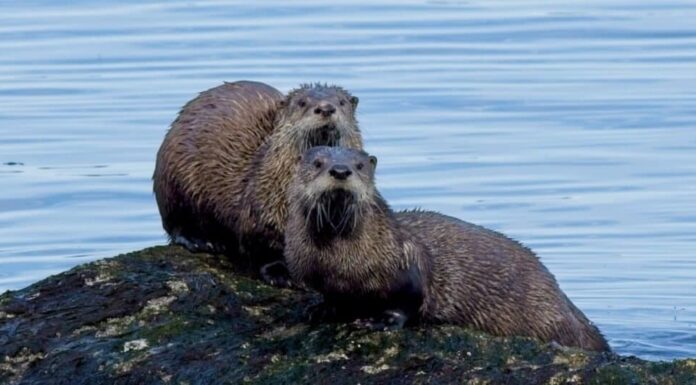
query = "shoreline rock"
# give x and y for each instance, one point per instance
(164, 315)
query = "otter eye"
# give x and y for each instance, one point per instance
(302, 103)
(342, 102)
(317, 163)
(360, 166)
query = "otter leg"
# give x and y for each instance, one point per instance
(265, 255)
(192, 244)
(401, 304)
(276, 274)
(325, 311)
(337, 308)
(388, 320)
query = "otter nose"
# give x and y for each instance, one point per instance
(325, 109)
(340, 172)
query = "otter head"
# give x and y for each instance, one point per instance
(333, 188)
(319, 115)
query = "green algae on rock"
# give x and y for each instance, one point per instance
(164, 315)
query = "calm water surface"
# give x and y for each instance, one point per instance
(570, 126)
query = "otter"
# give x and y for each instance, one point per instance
(398, 268)
(223, 168)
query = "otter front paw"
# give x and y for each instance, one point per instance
(321, 312)
(388, 320)
(276, 274)
(192, 244)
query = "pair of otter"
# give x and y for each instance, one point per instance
(249, 172)
(224, 167)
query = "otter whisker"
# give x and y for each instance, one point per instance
(344, 216)
(326, 214)
(306, 219)
(314, 216)
(320, 213)
(349, 217)
(349, 221)
(379, 209)
(309, 215)
(330, 216)
(344, 219)
(304, 145)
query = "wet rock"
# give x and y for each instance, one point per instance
(167, 316)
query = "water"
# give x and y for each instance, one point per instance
(570, 126)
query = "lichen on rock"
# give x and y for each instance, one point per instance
(164, 315)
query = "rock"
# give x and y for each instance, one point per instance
(167, 316)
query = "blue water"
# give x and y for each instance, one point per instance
(569, 125)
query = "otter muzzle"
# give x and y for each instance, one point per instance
(340, 172)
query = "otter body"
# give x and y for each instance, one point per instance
(222, 171)
(343, 240)
(201, 164)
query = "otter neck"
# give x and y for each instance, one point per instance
(276, 169)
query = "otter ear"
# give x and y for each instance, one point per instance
(373, 161)
(299, 158)
(354, 101)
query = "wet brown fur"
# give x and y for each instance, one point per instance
(224, 165)
(465, 274)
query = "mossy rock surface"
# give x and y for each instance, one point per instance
(167, 316)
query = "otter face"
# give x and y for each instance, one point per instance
(334, 184)
(326, 168)
(319, 115)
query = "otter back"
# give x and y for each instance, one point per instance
(202, 163)
(487, 280)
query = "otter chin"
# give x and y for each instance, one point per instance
(325, 135)
(332, 214)
(390, 268)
